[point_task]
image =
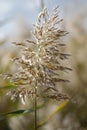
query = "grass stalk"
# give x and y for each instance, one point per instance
(35, 107)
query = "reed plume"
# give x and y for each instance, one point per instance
(40, 60)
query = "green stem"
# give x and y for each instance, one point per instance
(35, 106)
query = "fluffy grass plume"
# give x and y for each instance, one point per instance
(39, 63)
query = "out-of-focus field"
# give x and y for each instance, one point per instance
(74, 115)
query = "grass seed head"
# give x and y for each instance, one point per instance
(39, 64)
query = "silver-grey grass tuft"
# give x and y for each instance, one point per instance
(40, 61)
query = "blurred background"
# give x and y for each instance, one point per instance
(16, 23)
